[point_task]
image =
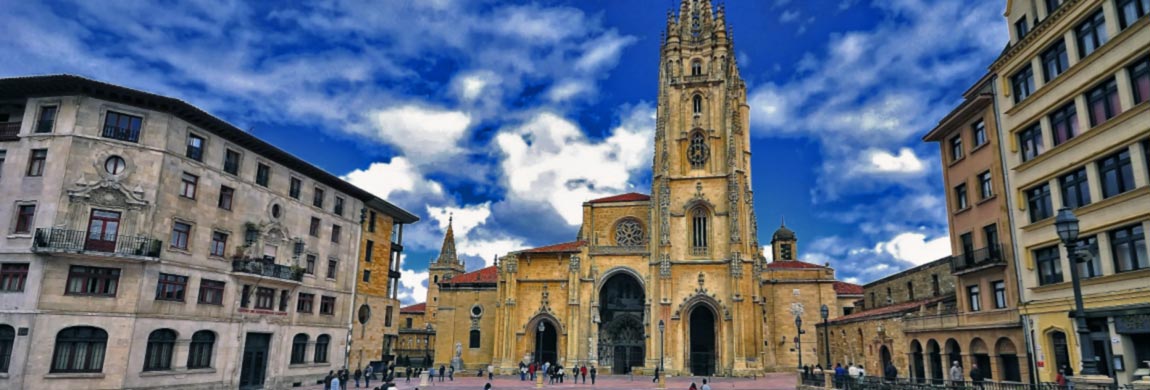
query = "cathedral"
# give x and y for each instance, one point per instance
(676, 278)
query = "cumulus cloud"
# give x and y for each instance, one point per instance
(398, 175)
(915, 248)
(425, 135)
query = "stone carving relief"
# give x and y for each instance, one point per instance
(664, 265)
(664, 213)
(733, 199)
(574, 263)
(736, 265)
(702, 295)
(110, 188)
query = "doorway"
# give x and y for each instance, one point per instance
(702, 323)
(547, 343)
(622, 338)
(103, 229)
(253, 368)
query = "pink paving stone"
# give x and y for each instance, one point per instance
(773, 381)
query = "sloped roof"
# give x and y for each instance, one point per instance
(628, 197)
(904, 307)
(414, 309)
(792, 264)
(484, 275)
(844, 288)
(565, 247)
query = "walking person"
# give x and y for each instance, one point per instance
(344, 379)
(335, 383)
(594, 372)
(367, 374)
(490, 372)
(451, 373)
(442, 371)
(705, 385)
(531, 370)
(956, 374)
(583, 370)
(976, 376)
(358, 373)
(327, 380)
(407, 371)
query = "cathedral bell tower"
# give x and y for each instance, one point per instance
(446, 266)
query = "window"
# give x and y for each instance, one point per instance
(999, 294)
(294, 188)
(967, 242)
(910, 291)
(310, 265)
(960, 201)
(304, 303)
(84, 280)
(1139, 80)
(1103, 102)
(321, 344)
(699, 234)
(697, 104)
(696, 68)
(299, 348)
(1064, 123)
(7, 337)
(1128, 246)
(283, 300)
(934, 286)
(1130, 10)
(245, 295)
(158, 356)
(3, 155)
(211, 292)
(1091, 34)
(1049, 265)
(1116, 173)
(13, 276)
(387, 316)
(195, 150)
(219, 244)
(336, 231)
(473, 339)
(1075, 189)
(171, 287)
(25, 216)
(327, 305)
(226, 195)
(317, 198)
(368, 250)
(974, 295)
(1030, 142)
(1022, 83)
(408, 323)
(200, 349)
(46, 120)
(1055, 60)
(985, 186)
(978, 133)
(1038, 199)
(1090, 266)
(122, 127)
(1051, 6)
(231, 161)
(36, 162)
(990, 233)
(955, 148)
(265, 298)
(188, 185)
(180, 232)
(263, 174)
(367, 276)
(1022, 28)
(313, 227)
(370, 220)
(332, 265)
(79, 349)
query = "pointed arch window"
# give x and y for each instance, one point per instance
(700, 234)
(697, 104)
(158, 356)
(696, 68)
(698, 151)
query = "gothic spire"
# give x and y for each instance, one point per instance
(447, 251)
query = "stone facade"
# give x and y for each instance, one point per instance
(375, 323)
(201, 251)
(415, 340)
(1105, 142)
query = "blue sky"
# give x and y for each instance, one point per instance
(509, 116)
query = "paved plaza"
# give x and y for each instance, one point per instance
(770, 381)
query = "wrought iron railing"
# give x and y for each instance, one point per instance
(991, 255)
(78, 241)
(9, 131)
(266, 268)
(121, 133)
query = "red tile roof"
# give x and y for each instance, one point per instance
(892, 309)
(416, 308)
(791, 264)
(628, 197)
(565, 247)
(484, 275)
(844, 288)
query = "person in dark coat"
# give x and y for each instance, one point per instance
(327, 380)
(976, 375)
(442, 372)
(594, 372)
(358, 374)
(890, 373)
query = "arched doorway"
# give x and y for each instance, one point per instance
(702, 342)
(954, 354)
(884, 355)
(1008, 360)
(621, 335)
(980, 355)
(546, 342)
(934, 358)
(918, 371)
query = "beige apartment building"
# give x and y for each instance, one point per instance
(375, 330)
(1073, 98)
(148, 244)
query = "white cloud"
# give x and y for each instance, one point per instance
(915, 247)
(466, 220)
(472, 85)
(413, 286)
(398, 175)
(602, 52)
(425, 135)
(881, 161)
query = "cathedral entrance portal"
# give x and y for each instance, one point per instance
(621, 336)
(546, 342)
(702, 341)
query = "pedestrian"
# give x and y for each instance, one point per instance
(693, 386)
(583, 370)
(705, 385)
(976, 376)
(1060, 379)
(656, 377)
(335, 383)
(367, 374)
(358, 373)
(442, 371)
(594, 372)
(490, 372)
(408, 372)
(531, 370)
(344, 379)
(451, 373)
(840, 373)
(956, 374)
(487, 386)
(327, 380)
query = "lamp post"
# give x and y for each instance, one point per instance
(826, 312)
(799, 339)
(662, 371)
(1067, 226)
(539, 354)
(427, 347)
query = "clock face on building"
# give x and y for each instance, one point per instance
(697, 153)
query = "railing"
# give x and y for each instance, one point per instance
(989, 256)
(618, 249)
(266, 268)
(77, 241)
(951, 320)
(698, 250)
(121, 133)
(9, 131)
(690, 79)
(877, 383)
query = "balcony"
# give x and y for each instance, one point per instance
(52, 240)
(978, 259)
(121, 133)
(266, 268)
(952, 320)
(9, 131)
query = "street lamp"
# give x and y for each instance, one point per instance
(826, 312)
(663, 371)
(427, 347)
(1067, 226)
(539, 342)
(799, 338)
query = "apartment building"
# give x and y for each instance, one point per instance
(1075, 123)
(148, 244)
(375, 330)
